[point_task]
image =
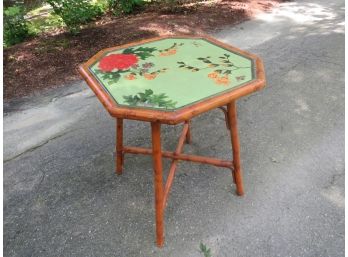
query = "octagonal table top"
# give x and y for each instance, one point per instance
(170, 73)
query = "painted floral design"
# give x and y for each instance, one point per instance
(196, 44)
(149, 99)
(130, 76)
(111, 67)
(142, 52)
(240, 78)
(144, 71)
(223, 69)
(157, 74)
(170, 50)
(114, 62)
(220, 80)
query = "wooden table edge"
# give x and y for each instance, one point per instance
(185, 113)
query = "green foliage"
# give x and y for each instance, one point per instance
(43, 19)
(225, 66)
(175, 45)
(124, 6)
(75, 12)
(142, 52)
(148, 98)
(183, 65)
(15, 26)
(110, 77)
(41, 24)
(102, 5)
(205, 250)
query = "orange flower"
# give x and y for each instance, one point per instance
(213, 75)
(172, 51)
(149, 76)
(168, 52)
(130, 77)
(222, 81)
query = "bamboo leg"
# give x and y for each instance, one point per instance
(188, 135)
(233, 176)
(119, 147)
(157, 165)
(232, 119)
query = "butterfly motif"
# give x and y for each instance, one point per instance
(239, 78)
(196, 44)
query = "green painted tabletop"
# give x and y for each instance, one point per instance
(171, 73)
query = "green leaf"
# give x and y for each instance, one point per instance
(148, 97)
(142, 52)
(167, 49)
(128, 51)
(205, 250)
(142, 96)
(148, 92)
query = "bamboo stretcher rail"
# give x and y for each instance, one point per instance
(183, 157)
(172, 169)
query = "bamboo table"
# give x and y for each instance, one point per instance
(169, 80)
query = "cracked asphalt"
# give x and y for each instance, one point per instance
(62, 198)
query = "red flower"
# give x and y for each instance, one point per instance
(117, 61)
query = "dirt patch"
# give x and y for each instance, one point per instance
(51, 60)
